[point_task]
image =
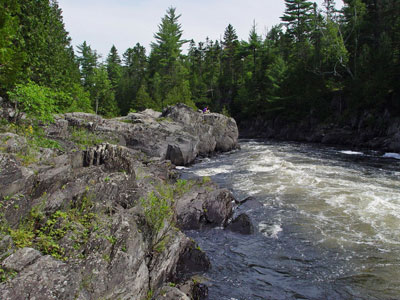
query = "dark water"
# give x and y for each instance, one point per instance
(327, 226)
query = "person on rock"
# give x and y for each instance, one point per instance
(206, 110)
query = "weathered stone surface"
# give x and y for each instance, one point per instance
(45, 279)
(6, 246)
(177, 264)
(216, 132)
(117, 269)
(14, 178)
(11, 142)
(191, 260)
(21, 259)
(172, 293)
(59, 128)
(88, 204)
(203, 206)
(180, 134)
(195, 287)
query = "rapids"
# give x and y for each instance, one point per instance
(327, 226)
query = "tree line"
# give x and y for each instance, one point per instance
(293, 71)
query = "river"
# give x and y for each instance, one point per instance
(327, 223)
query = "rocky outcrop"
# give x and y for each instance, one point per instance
(179, 134)
(364, 131)
(83, 221)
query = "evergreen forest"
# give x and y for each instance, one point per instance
(293, 71)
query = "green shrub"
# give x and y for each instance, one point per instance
(22, 237)
(84, 139)
(37, 102)
(45, 232)
(182, 186)
(157, 211)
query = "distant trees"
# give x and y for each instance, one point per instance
(11, 54)
(291, 72)
(134, 73)
(34, 47)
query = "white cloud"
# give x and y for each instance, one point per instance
(126, 22)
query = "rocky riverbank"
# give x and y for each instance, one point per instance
(97, 213)
(362, 131)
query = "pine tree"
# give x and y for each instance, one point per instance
(297, 17)
(11, 54)
(254, 45)
(133, 77)
(42, 28)
(87, 62)
(212, 69)
(102, 94)
(228, 67)
(165, 57)
(143, 100)
(114, 68)
(196, 62)
(329, 9)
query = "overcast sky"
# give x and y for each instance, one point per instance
(124, 23)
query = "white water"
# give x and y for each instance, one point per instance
(392, 155)
(350, 208)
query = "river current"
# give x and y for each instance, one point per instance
(327, 223)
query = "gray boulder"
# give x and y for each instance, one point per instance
(45, 279)
(180, 134)
(204, 206)
(172, 293)
(21, 259)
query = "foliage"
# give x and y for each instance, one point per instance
(157, 210)
(182, 186)
(143, 100)
(11, 56)
(87, 60)
(84, 138)
(6, 274)
(44, 232)
(293, 72)
(165, 61)
(37, 102)
(298, 17)
(132, 89)
(102, 94)
(29, 30)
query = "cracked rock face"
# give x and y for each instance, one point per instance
(202, 207)
(75, 224)
(113, 256)
(180, 134)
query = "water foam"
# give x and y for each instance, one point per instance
(213, 171)
(348, 152)
(392, 155)
(270, 230)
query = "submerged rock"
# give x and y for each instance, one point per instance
(242, 224)
(204, 206)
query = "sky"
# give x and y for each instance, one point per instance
(123, 23)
